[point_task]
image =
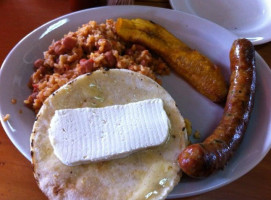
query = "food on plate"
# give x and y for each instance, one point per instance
(6, 117)
(146, 174)
(13, 101)
(89, 74)
(188, 126)
(93, 46)
(200, 160)
(195, 68)
(196, 135)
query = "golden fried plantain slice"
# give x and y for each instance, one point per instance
(195, 68)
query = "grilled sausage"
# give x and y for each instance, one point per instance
(202, 159)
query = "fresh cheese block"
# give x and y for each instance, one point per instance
(83, 135)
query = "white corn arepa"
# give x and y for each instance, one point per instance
(147, 174)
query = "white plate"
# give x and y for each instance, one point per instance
(249, 19)
(209, 38)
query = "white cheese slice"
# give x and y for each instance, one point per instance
(84, 135)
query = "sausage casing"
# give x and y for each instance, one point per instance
(202, 159)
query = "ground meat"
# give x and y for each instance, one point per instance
(93, 46)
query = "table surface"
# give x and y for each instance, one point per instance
(18, 18)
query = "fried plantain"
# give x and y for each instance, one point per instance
(192, 66)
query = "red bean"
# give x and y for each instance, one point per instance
(82, 61)
(110, 58)
(86, 65)
(69, 42)
(38, 63)
(64, 46)
(58, 48)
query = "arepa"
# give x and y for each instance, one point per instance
(146, 174)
